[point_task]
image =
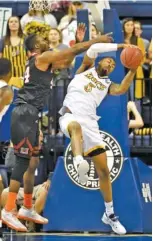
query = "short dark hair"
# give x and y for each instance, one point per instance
(30, 42)
(5, 67)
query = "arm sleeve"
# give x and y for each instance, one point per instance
(93, 51)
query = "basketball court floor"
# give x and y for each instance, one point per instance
(73, 237)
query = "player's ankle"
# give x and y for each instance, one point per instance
(27, 201)
(109, 208)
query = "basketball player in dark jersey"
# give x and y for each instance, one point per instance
(24, 123)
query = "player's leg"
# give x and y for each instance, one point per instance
(8, 216)
(27, 212)
(40, 193)
(23, 122)
(95, 148)
(28, 180)
(75, 133)
(4, 198)
(109, 217)
(72, 129)
(100, 162)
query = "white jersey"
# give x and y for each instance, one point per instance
(2, 113)
(85, 93)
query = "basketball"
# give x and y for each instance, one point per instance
(131, 58)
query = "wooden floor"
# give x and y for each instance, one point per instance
(72, 237)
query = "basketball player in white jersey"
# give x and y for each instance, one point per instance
(6, 96)
(79, 120)
(6, 93)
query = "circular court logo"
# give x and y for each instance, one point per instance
(114, 162)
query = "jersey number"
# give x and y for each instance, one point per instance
(88, 87)
(27, 75)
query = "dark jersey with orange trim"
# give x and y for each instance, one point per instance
(36, 86)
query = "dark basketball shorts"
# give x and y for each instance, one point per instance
(25, 130)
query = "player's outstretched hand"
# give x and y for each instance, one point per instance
(130, 46)
(81, 31)
(124, 46)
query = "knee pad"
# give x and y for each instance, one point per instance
(21, 165)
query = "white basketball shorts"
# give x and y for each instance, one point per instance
(90, 131)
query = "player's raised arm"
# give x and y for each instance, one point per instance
(94, 50)
(50, 57)
(120, 89)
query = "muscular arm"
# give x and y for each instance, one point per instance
(49, 57)
(94, 50)
(120, 89)
(6, 97)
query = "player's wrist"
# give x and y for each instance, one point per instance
(120, 46)
(133, 71)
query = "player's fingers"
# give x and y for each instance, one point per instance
(83, 26)
(80, 26)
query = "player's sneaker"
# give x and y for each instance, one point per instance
(12, 222)
(113, 221)
(82, 168)
(31, 215)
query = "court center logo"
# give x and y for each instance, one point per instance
(114, 162)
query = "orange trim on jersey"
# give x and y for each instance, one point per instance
(20, 144)
(29, 144)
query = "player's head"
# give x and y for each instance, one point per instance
(36, 43)
(105, 66)
(5, 69)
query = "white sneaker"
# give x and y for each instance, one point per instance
(82, 168)
(31, 215)
(113, 221)
(12, 222)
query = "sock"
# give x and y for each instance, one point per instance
(78, 158)
(11, 201)
(28, 200)
(109, 208)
